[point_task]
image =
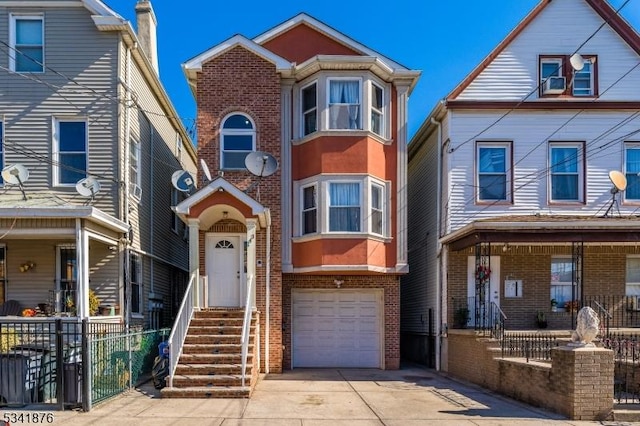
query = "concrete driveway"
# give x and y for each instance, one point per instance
(406, 397)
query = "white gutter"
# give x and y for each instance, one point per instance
(438, 244)
(268, 292)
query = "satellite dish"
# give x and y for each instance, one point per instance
(261, 163)
(88, 187)
(618, 180)
(182, 180)
(205, 170)
(577, 61)
(16, 174)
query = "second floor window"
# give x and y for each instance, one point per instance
(135, 270)
(632, 169)
(70, 151)
(135, 177)
(377, 107)
(309, 209)
(558, 77)
(492, 167)
(344, 207)
(377, 210)
(237, 139)
(566, 171)
(27, 43)
(344, 104)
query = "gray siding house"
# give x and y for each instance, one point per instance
(89, 141)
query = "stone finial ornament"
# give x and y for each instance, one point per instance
(587, 328)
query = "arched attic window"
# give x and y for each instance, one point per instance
(237, 139)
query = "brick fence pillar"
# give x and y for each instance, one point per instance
(586, 374)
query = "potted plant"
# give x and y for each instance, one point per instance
(541, 321)
(461, 317)
(554, 305)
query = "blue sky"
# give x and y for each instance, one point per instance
(443, 39)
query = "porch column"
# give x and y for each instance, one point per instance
(82, 261)
(251, 257)
(194, 258)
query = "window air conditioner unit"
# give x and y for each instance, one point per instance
(136, 191)
(554, 86)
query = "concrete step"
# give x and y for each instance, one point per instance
(221, 322)
(219, 313)
(219, 330)
(210, 369)
(213, 349)
(214, 339)
(210, 392)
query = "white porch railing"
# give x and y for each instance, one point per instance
(179, 331)
(246, 326)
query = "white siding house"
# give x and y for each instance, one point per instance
(79, 90)
(512, 210)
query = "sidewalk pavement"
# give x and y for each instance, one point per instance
(327, 397)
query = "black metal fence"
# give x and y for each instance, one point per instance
(626, 349)
(484, 317)
(68, 364)
(532, 346)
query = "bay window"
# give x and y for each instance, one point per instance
(377, 212)
(344, 104)
(344, 207)
(377, 106)
(309, 109)
(309, 209)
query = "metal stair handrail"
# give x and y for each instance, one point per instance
(246, 326)
(180, 327)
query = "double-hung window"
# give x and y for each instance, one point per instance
(135, 177)
(238, 139)
(135, 271)
(493, 178)
(583, 80)
(377, 109)
(67, 279)
(552, 79)
(27, 43)
(566, 171)
(632, 282)
(344, 207)
(3, 273)
(309, 109)
(344, 104)
(562, 285)
(376, 221)
(310, 209)
(70, 151)
(632, 169)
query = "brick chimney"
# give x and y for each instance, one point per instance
(147, 31)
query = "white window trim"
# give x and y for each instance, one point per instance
(303, 112)
(627, 146)
(179, 146)
(175, 220)
(581, 170)
(223, 132)
(3, 135)
(382, 111)
(12, 40)
(322, 182)
(383, 202)
(557, 61)
(303, 211)
(507, 146)
(574, 73)
(55, 149)
(562, 283)
(363, 109)
(138, 155)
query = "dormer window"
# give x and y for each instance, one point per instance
(559, 78)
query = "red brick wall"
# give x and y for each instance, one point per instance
(240, 81)
(388, 283)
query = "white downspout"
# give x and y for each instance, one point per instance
(151, 207)
(268, 292)
(125, 213)
(438, 244)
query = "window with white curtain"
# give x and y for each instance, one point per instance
(566, 171)
(632, 171)
(562, 281)
(493, 171)
(27, 43)
(344, 207)
(344, 104)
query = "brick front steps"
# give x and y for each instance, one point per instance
(211, 362)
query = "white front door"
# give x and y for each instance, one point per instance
(492, 295)
(223, 269)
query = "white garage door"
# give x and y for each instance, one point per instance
(337, 328)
